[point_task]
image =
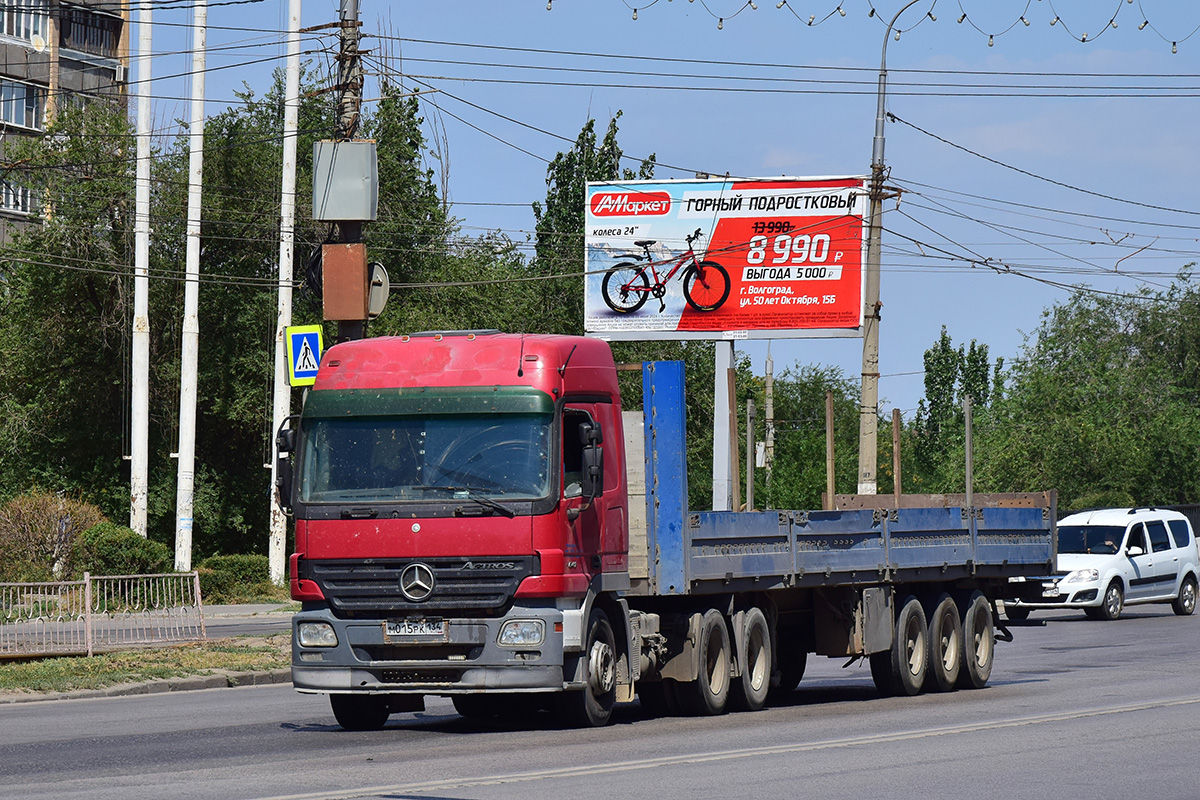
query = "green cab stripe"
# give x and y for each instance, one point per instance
(333, 403)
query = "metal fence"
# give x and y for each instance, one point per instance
(99, 613)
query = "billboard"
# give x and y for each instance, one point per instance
(720, 259)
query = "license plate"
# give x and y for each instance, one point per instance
(415, 629)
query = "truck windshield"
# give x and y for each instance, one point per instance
(396, 459)
(1095, 539)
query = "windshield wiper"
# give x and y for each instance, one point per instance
(473, 495)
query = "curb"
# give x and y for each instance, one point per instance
(218, 679)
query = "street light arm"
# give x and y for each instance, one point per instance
(877, 147)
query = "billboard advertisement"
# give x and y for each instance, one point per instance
(718, 259)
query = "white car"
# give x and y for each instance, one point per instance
(1113, 557)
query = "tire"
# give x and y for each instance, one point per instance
(706, 287)
(592, 706)
(708, 695)
(945, 647)
(360, 712)
(1016, 613)
(978, 641)
(749, 691)
(792, 658)
(1185, 604)
(910, 649)
(1111, 605)
(881, 673)
(625, 300)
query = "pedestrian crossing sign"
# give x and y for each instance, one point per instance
(304, 354)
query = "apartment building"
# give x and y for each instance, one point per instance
(54, 53)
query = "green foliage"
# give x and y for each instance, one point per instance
(110, 549)
(939, 429)
(1102, 404)
(37, 532)
(236, 579)
(560, 223)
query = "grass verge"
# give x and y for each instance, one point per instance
(72, 673)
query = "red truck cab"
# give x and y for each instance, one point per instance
(459, 503)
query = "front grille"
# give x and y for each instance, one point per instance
(401, 652)
(482, 587)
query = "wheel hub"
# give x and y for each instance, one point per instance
(602, 675)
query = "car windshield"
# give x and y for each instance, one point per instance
(401, 458)
(1095, 539)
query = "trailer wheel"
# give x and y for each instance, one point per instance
(978, 642)
(708, 694)
(791, 661)
(360, 712)
(749, 692)
(945, 647)
(593, 705)
(901, 670)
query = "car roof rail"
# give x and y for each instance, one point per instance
(1133, 511)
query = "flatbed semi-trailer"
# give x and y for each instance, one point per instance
(531, 545)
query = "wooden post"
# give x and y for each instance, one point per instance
(829, 462)
(898, 488)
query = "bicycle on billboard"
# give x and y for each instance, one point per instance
(628, 285)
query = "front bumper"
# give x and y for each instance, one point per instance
(1053, 592)
(467, 659)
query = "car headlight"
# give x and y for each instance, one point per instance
(522, 633)
(316, 634)
(1082, 576)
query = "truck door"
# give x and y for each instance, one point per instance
(585, 530)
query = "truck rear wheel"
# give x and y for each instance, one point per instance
(708, 694)
(360, 712)
(901, 670)
(749, 692)
(593, 705)
(945, 647)
(978, 642)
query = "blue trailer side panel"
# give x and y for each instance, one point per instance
(833, 546)
(754, 544)
(1015, 536)
(666, 476)
(929, 537)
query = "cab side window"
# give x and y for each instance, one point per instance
(1158, 536)
(572, 448)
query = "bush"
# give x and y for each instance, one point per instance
(238, 579)
(110, 549)
(37, 535)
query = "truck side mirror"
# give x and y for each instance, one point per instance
(285, 443)
(590, 436)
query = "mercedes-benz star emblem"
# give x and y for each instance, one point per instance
(416, 582)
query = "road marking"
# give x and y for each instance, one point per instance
(726, 755)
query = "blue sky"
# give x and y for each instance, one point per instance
(971, 242)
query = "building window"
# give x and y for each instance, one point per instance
(15, 198)
(21, 104)
(25, 19)
(86, 32)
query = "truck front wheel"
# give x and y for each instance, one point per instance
(593, 705)
(360, 712)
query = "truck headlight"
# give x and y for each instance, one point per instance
(522, 633)
(316, 634)
(1082, 576)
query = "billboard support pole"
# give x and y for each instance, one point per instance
(868, 420)
(722, 463)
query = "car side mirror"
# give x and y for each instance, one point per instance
(1134, 550)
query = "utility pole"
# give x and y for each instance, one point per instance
(277, 541)
(140, 378)
(868, 420)
(769, 418)
(350, 86)
(189, 355)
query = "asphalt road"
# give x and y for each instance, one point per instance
(1075, 709)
